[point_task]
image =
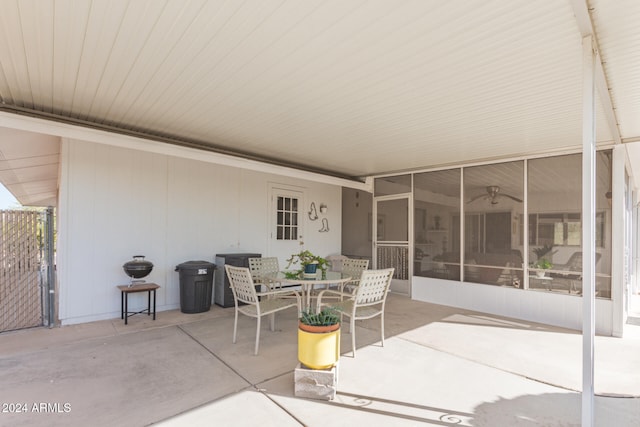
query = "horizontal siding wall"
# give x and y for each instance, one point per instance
(548, 308)
(116, 203)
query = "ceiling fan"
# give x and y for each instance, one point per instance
(493, 195)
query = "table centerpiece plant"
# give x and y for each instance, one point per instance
(308, 262)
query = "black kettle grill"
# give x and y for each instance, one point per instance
(138, 268)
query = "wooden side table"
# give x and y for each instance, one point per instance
(125, 290)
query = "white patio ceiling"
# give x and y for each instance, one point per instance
(349, 88)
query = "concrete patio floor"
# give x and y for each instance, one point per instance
(439, 366)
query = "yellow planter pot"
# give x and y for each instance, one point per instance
(319, 350)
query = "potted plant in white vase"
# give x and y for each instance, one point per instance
(541, 265)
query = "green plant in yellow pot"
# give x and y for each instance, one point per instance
(319, 338)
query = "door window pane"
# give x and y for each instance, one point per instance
(287, 218)
(393, 220)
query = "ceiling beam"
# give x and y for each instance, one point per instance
(583, 19)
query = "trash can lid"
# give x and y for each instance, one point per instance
(194, 265)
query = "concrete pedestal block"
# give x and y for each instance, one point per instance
(319, 384)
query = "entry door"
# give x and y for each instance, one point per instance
(286, 222)
(391, 243)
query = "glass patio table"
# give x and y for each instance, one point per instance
(308, 285)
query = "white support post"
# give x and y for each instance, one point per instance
(619, 241)
(588, 229)
(462, 224)
(525, 225)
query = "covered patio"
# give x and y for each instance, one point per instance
(171, 129)
(439, 366)
(208, 105)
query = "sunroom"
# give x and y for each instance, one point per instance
(503, 237)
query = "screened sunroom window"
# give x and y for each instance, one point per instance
(437, 227)
(494, 196)
(555, 224)
(498, 235)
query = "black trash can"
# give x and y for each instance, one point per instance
(196, 286)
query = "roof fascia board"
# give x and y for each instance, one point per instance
(66, 130)
(583, 19)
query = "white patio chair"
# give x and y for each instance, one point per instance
(351, 267)
(264, 271)
(257, 304)
(354, 267)
(365, 302)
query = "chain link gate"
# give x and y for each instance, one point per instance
(26, 268)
